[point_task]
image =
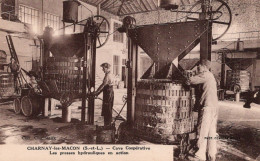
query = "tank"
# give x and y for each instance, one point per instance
(169, 4)
(70, 11)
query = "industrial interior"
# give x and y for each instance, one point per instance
(153, 47)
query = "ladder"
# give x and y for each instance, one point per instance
(18, 75)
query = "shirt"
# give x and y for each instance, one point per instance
(209, 95)
(108, 80)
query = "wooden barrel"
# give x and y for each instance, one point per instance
(31, 106)
(6, 84)
(162, 109)
(17, 106)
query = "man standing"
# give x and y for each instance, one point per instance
(108, 94)
(208, 112)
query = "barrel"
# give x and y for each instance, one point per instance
(163, 109)
(31, 106)
(169, 4)
(6, 84)
(17, 105)
(70, 11)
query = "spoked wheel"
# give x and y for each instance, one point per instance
(221, 17)
(102, 31)
(26, 106)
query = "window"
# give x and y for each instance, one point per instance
(117, 36)
(30, 16)
(116, 65)
(123, 62)
(51, 21)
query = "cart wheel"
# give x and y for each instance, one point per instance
(221, 17)
(26, 106)
(17, 106)
(103, 29)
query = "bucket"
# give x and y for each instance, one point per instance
(31, 106)
(66, 114)
(106, 134)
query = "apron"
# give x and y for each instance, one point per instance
(108, 102)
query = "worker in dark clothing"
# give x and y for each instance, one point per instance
(108, 94)
(253, 97)
(208, 112)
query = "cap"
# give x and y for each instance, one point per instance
(206, 63)
(105, 65)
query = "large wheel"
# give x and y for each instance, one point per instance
(103, 29)
(26, 106)
(221, 17)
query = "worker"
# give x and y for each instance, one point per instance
(33, 82)
(208, 112)
(108, 94)
(252, 97)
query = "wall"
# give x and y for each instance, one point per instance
(111, 48)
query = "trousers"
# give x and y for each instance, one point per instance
(207, 131)
(107, 106)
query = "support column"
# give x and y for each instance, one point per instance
(92, 70)
(46, 107)
(132, 80)
(206, 38)
(52, 104)
(84, 81)
(223, 71)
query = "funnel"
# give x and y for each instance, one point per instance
(239, 63)
(165, 42)
(67, 45)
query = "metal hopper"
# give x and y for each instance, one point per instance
(67, 45)
(166, 42)
(239, 63)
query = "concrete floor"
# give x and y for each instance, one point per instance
(238, 128)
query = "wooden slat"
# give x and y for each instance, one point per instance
(144, 5)
(132, 7)
(147, 4)
(137, 5)
(128, 9)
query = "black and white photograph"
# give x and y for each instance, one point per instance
(134, 80)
